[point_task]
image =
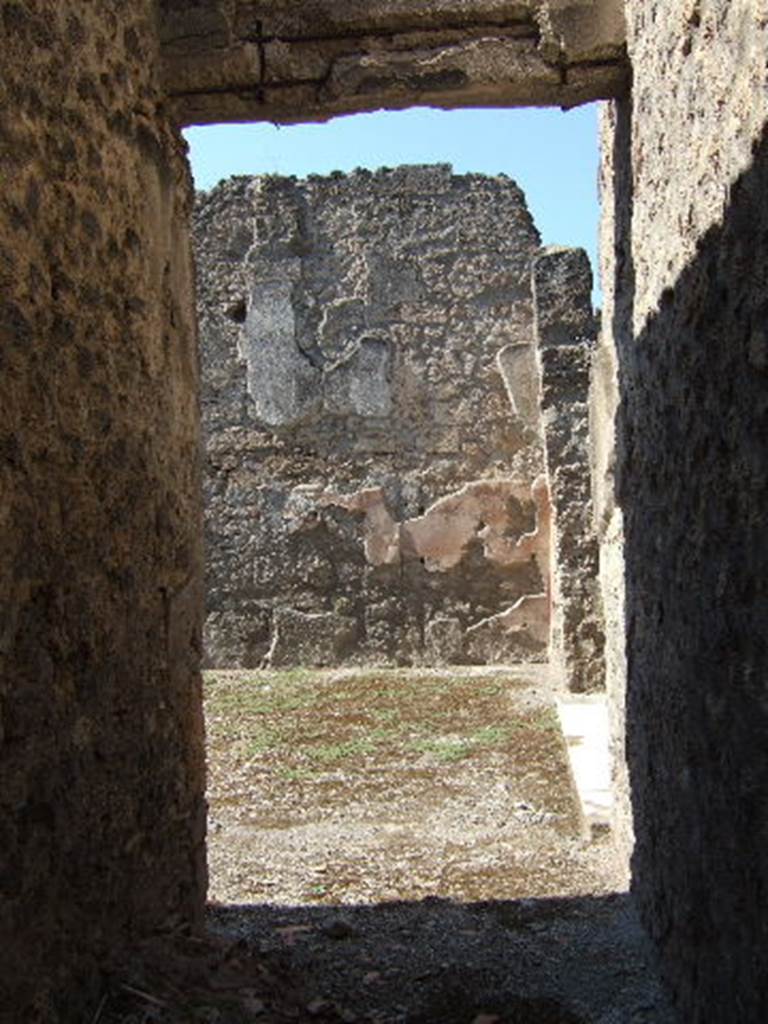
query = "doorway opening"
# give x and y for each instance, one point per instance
(373, 780)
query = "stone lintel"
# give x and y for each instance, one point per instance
(288, 62)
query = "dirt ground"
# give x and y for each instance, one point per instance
(348, 787)
(398, 847)
(410, 842)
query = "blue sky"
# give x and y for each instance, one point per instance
(550, 153)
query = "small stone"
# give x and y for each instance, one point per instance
(317, 1006)
(339, 930)
(253, 1004)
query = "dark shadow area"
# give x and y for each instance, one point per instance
(579, 960)
(693, 469)
(438, 961)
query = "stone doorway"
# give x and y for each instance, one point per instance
(276, 842)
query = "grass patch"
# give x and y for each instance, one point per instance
(241, 694)
(261, 701)
(285, 747)
(298, 774)
(490, 735)
(442, 748)
(457, 748)
(547, 721)
(494, 689)
(387, 716)
(332, 752)
(446, 684)
(383, 733)
(259, 741)
(300, 721)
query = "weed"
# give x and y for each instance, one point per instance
(382, 733)
(547, 721)
(442, 685)
(385, 715)
(451, 753)
(443, 748)
(455, 749)
(295, 774)
(291, 676)
(493, 690)
(259, 694)
(259, 741)
(341, 751)
(305, 720)
(490, 735)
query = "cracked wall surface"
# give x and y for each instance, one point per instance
(373, 435)
(248, 60)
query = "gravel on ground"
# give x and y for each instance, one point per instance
(398, 847)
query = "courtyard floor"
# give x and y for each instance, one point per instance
(396, 847)
(408, 843)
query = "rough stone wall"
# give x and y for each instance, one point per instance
(688, 316)
(100, 770)
(373, 484)
(566, 332)
(101, 813)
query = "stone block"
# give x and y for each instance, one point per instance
(301, 638)
(444, 641)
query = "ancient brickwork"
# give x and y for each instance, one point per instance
(101, 814)
(688, 168)
(373, 434)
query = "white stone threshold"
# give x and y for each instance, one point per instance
(584, 723)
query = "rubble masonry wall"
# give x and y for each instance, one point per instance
(374, 466)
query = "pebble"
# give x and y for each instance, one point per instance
(340, 930)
